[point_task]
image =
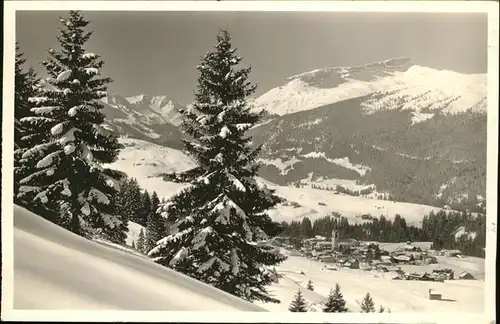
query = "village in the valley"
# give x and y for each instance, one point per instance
(404, 261)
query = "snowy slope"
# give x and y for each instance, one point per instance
(56, 269)
(404, 296)
(133, 232)
(393, 81)
(143, 161)
(349, 206)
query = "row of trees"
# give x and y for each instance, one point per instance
(381, 229)
(453, 230)
(442, 228)
(335, 302)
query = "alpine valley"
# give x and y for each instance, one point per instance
(385, 130)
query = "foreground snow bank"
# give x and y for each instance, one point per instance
(56, 269)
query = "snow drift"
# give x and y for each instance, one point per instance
(56, 269)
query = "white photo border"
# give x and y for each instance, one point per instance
(10, 9)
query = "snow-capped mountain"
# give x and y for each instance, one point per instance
(393, 84)
(146, 109)
(152, 118)
(405, 129)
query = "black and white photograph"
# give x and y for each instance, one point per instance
(229, 159)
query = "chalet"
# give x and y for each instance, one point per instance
(394, 269)
(385, 262)
(396, 276)
(386, 258)
(311, 242)
(365, 266)
(381, 268)
(434, 296)
(432, 252)
(410, 247)
(353, 264)
(322, 246)
(429, 260)
(403, 258)
(465, 276)
(327, 258)
(452, 253)
(348, 243)
(445, 274)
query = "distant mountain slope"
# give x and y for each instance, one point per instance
(412, 162)
(415, 132)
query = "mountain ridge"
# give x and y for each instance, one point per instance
(405, 129)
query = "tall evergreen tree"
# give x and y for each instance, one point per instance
(68, 163)
(145, 211)
(117, 233)
(298, 304)
(335, 302)
(155, 228)
(306, 227)
(223, 211)
(140, 241)
(367, 305)
(26, 135)
(131, 201)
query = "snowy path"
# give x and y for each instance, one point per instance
(55, 269)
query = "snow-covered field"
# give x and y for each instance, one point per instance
(133, 232)
(143, 160)
(55, 269)
(348, 206)
(396, 295)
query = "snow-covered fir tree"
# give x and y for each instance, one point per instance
(335, 302)
(68, 162)
(155, 227)
(218, 218)
(118, 233)
(381, 309)
(299, 304)
(367, 305)
(130, 201)
(145, 211)
(26, 85)
(310, 285)
(140, 241)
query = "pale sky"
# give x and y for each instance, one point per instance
(157, 52)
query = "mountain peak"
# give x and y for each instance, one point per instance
(394, 80)
(340, 74)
